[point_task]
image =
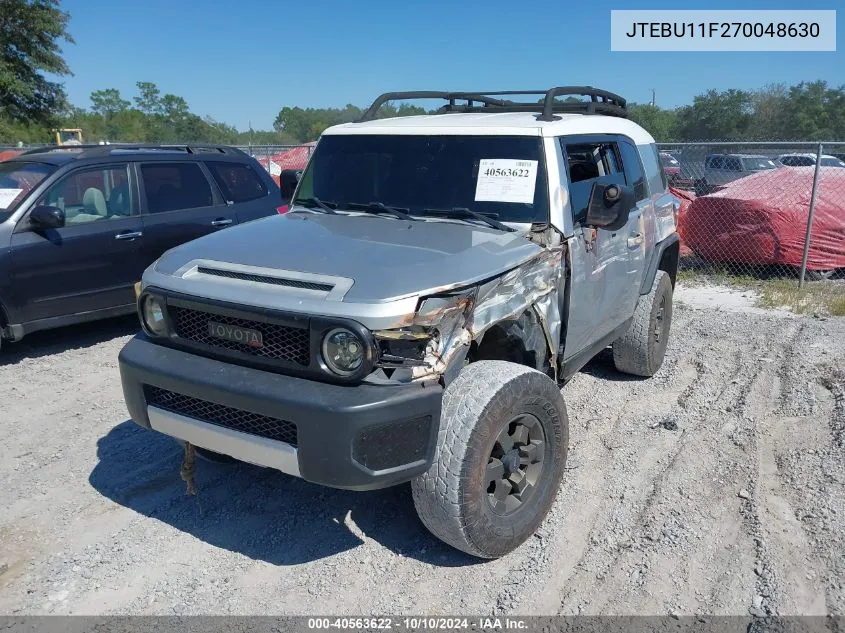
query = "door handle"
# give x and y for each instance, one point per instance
(131, 235)
(221, 222)
(635, 240)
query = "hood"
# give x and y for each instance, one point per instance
(383, 258)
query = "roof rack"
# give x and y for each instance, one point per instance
(601, 102)
(91, 149)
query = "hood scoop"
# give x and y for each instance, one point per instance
(314, 286)
(264, 279)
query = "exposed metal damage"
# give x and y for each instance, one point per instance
(445, 326)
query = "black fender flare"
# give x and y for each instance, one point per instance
(654, 263)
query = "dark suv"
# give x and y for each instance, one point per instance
(78, 225)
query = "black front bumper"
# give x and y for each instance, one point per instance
(358, 437)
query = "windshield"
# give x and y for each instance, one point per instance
(17, 179)
(502, 177)
(758, 163)
(667, 160)
(831, 162)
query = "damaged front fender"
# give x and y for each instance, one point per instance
(449, 324)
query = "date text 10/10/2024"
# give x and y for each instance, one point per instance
(419, 623)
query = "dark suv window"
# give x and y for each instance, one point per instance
(17, 179)
(171, 186)
(89, 195)
(239, 183)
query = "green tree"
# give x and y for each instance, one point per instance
(661, 124)
(148, 100)
(717, 116)
(815, 112)
(30, 36)
(768, 122)
(108, 102)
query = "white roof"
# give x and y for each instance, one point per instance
(503, 123)
(808, 155)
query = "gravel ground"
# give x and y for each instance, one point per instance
(716, 487)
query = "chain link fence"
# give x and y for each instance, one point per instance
(769, 215)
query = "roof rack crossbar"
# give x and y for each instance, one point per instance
(95, 149)
(601, 102)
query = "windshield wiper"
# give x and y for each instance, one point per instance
(464, 213)
(380, 207)
(316, 203)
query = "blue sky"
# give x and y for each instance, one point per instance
(241, 61)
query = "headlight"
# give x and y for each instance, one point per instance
(343, 351)
(152, 312)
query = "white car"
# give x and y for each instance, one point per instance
(809, 160)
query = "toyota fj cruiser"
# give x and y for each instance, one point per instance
(413, 315)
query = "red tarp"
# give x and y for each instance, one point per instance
(295, 158)
(685, 198)
(7, 154)
(762, 219)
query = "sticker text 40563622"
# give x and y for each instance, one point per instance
(506, 180)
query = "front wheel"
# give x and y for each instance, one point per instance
(500, 457)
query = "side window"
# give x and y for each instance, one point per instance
(634, 175)
(88, 195)
(588, 163)
(716, 162)
(655, 175)
(239, 183)
(172, 186)
(733, 164)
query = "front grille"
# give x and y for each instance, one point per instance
(221, 415)
(265, 279)
(280, 342)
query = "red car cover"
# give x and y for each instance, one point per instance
(294, 158)
(9, 153)
(685, 198)
(762, 219)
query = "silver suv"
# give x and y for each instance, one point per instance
(414, 314)
(721, 169)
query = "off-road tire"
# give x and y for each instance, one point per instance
(641, 349)
(820, 275)
(452, 498)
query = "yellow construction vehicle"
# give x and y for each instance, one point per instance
(68, 136)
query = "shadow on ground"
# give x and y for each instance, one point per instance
(258, 512)
(49, 342)
(601, 366)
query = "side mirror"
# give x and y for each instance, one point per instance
(288, 180)
(47, 217)
(609, 206)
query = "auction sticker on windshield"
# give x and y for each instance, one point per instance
(506, 180)
(7, 197)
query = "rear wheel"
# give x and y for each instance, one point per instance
(820, 275)
(499, 461)
(640, 351)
